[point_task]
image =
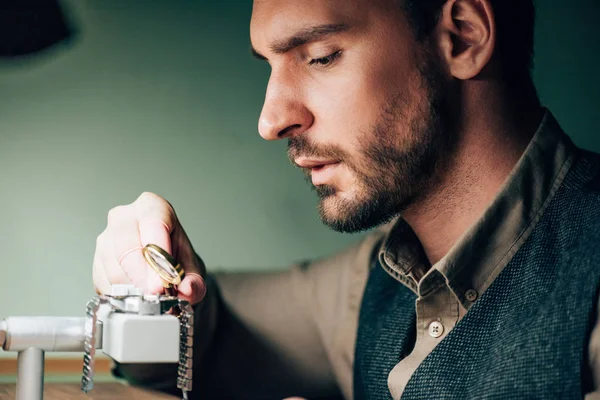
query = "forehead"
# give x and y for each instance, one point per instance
(276, 18)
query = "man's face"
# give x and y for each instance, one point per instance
(361, 103)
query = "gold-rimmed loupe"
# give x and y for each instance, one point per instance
(165, 266)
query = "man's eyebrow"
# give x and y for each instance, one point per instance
(303, 36)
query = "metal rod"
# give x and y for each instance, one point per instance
(3, 329)
(30, 374)
(45, 333)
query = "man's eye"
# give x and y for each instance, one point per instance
(325, 61)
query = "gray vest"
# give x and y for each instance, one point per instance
(527, 335)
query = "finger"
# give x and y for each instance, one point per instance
(114, 272)
(190, 262)
(101, 282)
(156, 220)
(106, 271)
(155, 231)
(127, 255)
(192, 288)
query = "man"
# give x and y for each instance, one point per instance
(418, 116)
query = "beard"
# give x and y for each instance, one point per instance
(402, 156)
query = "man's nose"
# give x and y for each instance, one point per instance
(283, 114)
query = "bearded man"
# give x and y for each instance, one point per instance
(418, 117)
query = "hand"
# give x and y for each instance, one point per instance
(119, 259)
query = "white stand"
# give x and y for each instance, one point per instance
(30, 375)
(124, 337)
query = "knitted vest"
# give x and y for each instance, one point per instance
(527, 335)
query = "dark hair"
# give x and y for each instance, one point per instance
(514, 32)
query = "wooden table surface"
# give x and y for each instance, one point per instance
(101, 391)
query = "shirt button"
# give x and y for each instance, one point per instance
(436, 329)
(471, 294)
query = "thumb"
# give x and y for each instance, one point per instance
(192, 288)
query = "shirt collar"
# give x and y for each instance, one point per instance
(483, 251)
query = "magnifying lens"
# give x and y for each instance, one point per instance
(164, 265)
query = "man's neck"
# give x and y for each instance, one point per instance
(492, 140)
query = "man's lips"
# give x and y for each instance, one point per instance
(313, 162)
(321, 170)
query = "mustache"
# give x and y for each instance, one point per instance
(302, 146)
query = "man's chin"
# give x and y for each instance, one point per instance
(340, 217)
(325, 191)
(342, 214)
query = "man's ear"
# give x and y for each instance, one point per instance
(467, 36)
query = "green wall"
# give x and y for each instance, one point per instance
(164, 96)
(567, 66)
